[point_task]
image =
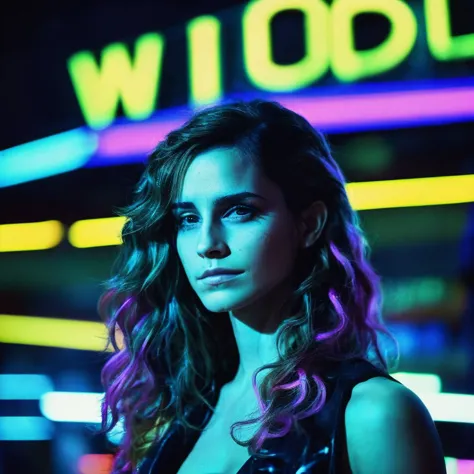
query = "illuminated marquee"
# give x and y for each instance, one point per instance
(134, 79)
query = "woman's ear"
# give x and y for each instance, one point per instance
(312, 222)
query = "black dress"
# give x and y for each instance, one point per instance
(319, 448)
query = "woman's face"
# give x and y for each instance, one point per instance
(259, 238)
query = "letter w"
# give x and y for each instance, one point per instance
(99, 88)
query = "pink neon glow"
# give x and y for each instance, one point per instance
(464, 466)
(135, 139)
(386, 107)
(323, 111)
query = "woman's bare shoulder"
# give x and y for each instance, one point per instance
(389, 430)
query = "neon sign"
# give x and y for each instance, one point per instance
(134, 79)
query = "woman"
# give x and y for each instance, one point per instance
(251, 189)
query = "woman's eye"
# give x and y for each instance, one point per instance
(242, 211)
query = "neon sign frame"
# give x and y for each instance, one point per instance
(134, 80)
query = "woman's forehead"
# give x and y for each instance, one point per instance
(218, 172)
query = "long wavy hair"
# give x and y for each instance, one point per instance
(173, 352)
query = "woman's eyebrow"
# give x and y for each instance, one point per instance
(218, 202)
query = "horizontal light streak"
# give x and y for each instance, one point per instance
(364, 196)
(24, 386)
(459, 466)
(95, 464)
(89, 333)
(47, 156)
(74, 407)
(418, 382)
(85, 407)
(25, 428)
(30, 236)
(134, 139)
(450, 407)
(339, 109)
(377, 110)
(324, 108)
(52, 332)
(96, 232)
(434, 191)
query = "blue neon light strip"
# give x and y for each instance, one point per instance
(25, 428)
(24, 386)
(83, 147)
(46, 157)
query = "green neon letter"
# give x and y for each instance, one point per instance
(347, 63)
(99, 88)
(443, 46)
(262, 71)
(204, 60)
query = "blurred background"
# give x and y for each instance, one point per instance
(88, 88)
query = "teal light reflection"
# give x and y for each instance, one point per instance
(48, 156)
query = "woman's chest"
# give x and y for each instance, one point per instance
(215, 452)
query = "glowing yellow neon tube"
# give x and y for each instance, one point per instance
(52, 332)
(96, 232)
(411, 192)
(363, 196)
(30, 236)
(87, 335)
(204, 60)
